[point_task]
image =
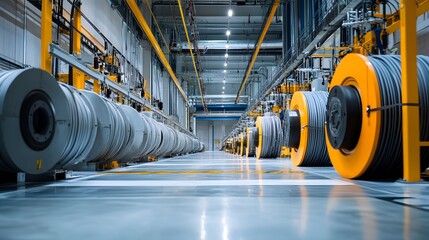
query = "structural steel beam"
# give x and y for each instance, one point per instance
(258, 46)
(46, 35)
(146, 29)
(200, 87)
(410, 113)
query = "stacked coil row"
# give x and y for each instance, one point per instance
(45, 125)
(252, 134)
(364, 125)
(269, 137)
(358, 127)
(304, 129)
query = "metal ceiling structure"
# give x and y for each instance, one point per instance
(222, 75)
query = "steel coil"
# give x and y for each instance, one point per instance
(309, 144)
(33, 121)
(56, 126)
(251, 140)
(364, 127)
(270, 137)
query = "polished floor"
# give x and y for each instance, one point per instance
(214, 195)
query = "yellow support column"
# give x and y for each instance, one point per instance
(410, 113)
(78, 76)
(46, 35)
(97, 87)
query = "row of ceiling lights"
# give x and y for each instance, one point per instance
(228, 33)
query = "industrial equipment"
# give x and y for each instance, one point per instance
(45, 126)
(304, 129)
(364, 116)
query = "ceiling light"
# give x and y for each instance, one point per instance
(228, 32)
(226, 55)
(225, 64)
(223, 92)
(230, 13)
(224, 71)
(223, 87)
(227, 46)
(224, 81)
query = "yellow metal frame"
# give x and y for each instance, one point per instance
(355, 70)
(258, 46)
(299, 103)
(146, 29)
(410, 114)
(258, 150)
(46, 35)
(200, 87)
(78, 76)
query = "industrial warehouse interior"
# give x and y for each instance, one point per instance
(214, 119)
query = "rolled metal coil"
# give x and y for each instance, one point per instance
(270, 137)
(310, 147)
(252, 134)
(45, 125)
(34, 121)
(364, 127)
(83, 128)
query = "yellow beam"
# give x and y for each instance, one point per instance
(157, 25)
(85, 32)
(78, 76)
(146, 29)
(258, 46)
(422, 7)
(192, 56)
(46, 35)
(323, 55)
(410, 113)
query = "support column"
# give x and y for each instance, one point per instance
(78, 76)
(410, 113)
(46, 36)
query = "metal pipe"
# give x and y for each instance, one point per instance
(146, 29)
(200, 87)
(258, 46)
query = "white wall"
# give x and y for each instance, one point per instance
(221, 128)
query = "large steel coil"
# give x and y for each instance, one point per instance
(251, 133)
(304, 129)
(34, 121)
(45, 125)
(364, 127)
(133, 146)
(83, 127)
(270, 137)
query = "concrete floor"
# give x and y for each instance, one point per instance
(214, 195)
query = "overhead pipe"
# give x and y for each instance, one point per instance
(200, 87)
(220, 44)
(146, 29)
(258, 44)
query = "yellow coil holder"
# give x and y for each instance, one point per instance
(249, 132)
(259, 136)
(299, 103)
(356, 70)
(242, 151)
